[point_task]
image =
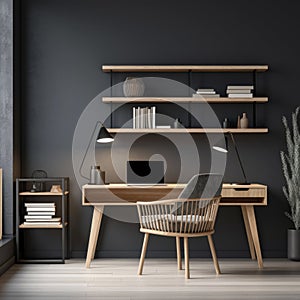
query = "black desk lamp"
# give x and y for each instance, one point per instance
(103, 137)
(224, 148)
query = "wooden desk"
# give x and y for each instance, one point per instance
(245, 196)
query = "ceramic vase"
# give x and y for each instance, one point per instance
(133, 87)
(244, 121)
(225, 123)
(238, 124)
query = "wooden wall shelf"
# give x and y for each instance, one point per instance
(41, 194)
(188, 69)
(183, 100)
(189, 130)
(23, 226)
(184, 68)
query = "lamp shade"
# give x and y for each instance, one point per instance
(104, 136)
(221, 146)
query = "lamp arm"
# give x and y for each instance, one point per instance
(238, 155)
(86, 151)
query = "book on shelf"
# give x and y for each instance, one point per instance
(153, 114)
(41, 223)
(149, 121)
(40, 209)
(163, 126)
(142, 125)
(138, 114)
(206, 91)
(240, 87)
(57, 219)
(37, 217)
(206, 95)
(144, 117)
(41, 213)
(133, 117)
(244, 91)
(240, 95)
(44, 204)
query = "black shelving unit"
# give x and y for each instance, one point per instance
(24, 194)
(189, 70)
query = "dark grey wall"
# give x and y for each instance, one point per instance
(64, 44)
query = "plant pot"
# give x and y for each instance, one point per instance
(294, 244)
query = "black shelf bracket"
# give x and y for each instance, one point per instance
(189, 95)
(254, 95)
(111, 94)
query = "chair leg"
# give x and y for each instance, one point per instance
(186, 258)
(178, 250)
(213, 254)
(143, 254)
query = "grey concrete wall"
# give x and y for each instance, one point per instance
(6, 112)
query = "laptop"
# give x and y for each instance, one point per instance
(142, 172)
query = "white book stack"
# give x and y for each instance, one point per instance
(240, 91)
(41, 214)
(206, 93)
(144, 117)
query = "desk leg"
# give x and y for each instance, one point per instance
(97, 229)
(253, 228)
(94, 233)
(248, 231)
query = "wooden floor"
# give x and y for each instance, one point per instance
(117, 279)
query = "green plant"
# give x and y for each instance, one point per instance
(291, 168)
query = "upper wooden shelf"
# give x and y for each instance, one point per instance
(41, 194)
(184, 68)
(183, 100)
(188, 130)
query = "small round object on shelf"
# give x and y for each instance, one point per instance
(133, 87)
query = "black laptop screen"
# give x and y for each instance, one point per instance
(145, 172)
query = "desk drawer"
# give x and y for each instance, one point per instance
(127, 195)
(243, 193)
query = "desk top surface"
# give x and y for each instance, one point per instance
(169, 185)
(122, 194)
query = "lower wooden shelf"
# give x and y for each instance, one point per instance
(38, 226)
(189, 130)
(42, 194)
(183, 100)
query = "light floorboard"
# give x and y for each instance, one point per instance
(117, 279)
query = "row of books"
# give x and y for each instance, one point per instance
(206, 93)
(41, 214)
(233, 91)
(144, 117)
(240, 91)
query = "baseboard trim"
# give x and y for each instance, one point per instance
(7, 253)
(4, 267)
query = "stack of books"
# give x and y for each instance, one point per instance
(144, 117)
(206, 93)
(240, 91)
(41, 214)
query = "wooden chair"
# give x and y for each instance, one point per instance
(193, 214)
